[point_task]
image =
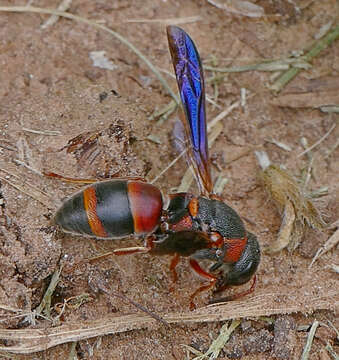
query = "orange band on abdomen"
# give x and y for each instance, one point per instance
(90, 204)
(235, 247)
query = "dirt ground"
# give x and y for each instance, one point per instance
(51, 92)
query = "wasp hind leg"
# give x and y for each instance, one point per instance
(174, 262)
(88, 181)
(234, 296)
(69, 179)
(201, 272)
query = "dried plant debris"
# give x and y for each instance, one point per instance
(218, 344)
(93, 151)
(293, 202)
(309, 341)
(243, 8)
(317, 47)
(329, 244)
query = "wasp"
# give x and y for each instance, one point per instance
(198, 227)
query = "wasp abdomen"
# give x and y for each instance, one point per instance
(112, 209)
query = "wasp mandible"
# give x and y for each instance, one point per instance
(199, 227)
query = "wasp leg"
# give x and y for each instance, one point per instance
(197, 268)
(174, 262)
(88, 181)
(122, 251)
(69, 179)
(234, 296)
(128, 251)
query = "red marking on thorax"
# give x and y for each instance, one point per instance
(146, 206)
(90, 204)
(184, 224)
(235, 247)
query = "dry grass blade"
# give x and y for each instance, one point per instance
(175, 21)
(239, 7)
(45, 305)
(217, 344)
(309, 341)
(265, 65)
(319, 141)
(38, 10)
(42, 132)
(25, 341)
(72, 352)
(31, 191)
(330, 109)
(315, 50)
(312, 99)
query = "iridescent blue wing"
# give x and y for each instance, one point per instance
(188, 71)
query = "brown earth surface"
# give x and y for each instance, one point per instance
(51, 93)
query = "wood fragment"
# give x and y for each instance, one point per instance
(27, 341)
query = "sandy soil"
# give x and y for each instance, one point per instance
(51, 93)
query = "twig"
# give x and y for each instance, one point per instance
(63, 6)
(35, 171)
(42, 132)
(317, 142)
(329, 244)
(331, 351)
(315, 50)
(98, 26)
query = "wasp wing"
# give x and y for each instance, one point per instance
(189, 74)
